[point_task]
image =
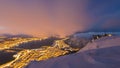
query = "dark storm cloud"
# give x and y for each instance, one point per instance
(107, 14)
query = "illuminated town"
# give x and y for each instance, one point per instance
(25, 56)
(12, 42)
(59, 33)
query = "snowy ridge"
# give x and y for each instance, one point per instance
(102, 43)
(102, 53)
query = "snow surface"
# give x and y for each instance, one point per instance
(102, 53)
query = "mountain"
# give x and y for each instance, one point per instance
(101, 53)
(16, 35)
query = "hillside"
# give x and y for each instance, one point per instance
(101, 53)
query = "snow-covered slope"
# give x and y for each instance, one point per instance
(102, 53)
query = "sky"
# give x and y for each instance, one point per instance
(62, 17)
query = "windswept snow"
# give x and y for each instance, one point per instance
(102, 53)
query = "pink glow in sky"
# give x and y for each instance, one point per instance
(43, 17)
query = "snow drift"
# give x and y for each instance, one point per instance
(102, 53)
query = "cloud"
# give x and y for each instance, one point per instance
(63, 17)
(107, 15)
(44, 17)
(2, 28)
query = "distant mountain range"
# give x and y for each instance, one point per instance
(15, 35)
